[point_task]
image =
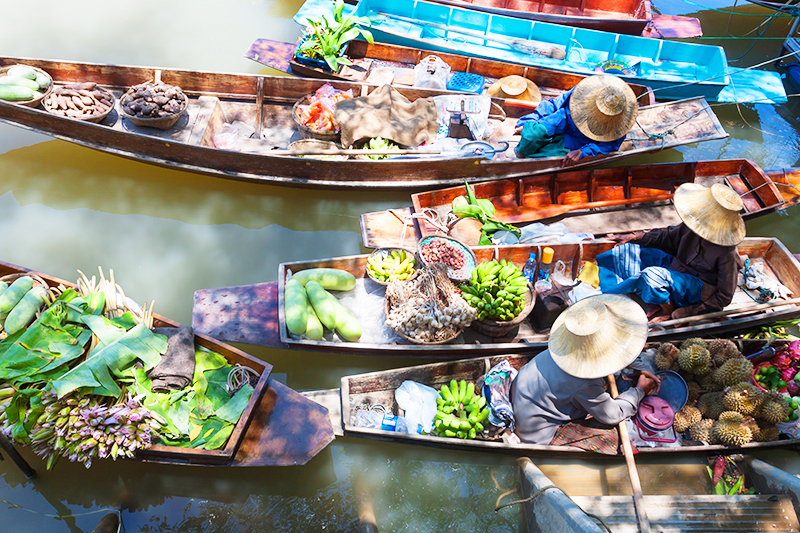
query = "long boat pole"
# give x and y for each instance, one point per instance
(627, 449)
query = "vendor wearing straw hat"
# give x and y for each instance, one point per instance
(681, 270)
(590, 119)
(554, 393)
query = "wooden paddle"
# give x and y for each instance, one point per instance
(354, 151)
(627, 449)
(559, 209)
(726, 312)
(523, 45)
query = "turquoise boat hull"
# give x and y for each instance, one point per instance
(675, 70)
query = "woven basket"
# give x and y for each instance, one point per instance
(91, 118)
(385, 251)
(470, 260)
(305, 131)
(387, 306)
(36, 101)
(37, 281)
(162, 123)
(494, 328)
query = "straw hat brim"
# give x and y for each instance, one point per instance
(704, 215)
(531, 94)
(592, 122)
(609, 344)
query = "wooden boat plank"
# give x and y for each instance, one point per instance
(287, 429)
(384, 228)
(331, 399)
(267, 432)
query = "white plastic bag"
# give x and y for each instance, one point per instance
(431, 73)
(419, 403)
(538, 232)
(227, 138)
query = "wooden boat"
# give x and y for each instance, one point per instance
(601, 201)
(632, 17)
(368, 57)
(265, 103)
(358, 391)
(253, 314)
(279, 427)
(673, 69)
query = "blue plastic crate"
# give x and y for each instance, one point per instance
(466, 82)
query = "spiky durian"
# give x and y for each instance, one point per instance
(694, 340)
(743, 398)
(664, 363)
(710, 405)
(695, 359)
(686, 418)
(709, 384)
(775, 408)
(722, 350)
(767, 432)
(701, 431)
(731, 429)
(734, 371)
(694, 391)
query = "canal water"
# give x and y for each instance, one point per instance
(168, 233)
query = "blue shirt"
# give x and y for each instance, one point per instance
(555, 116)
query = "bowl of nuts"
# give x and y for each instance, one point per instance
(154, 104)
(460, 260)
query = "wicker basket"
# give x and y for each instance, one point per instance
(36, 101)
(162, 123)
(385, 251)
(470, 261)
(37, 281)
(387, 306)
(91, 118)
(494, 328)
(308, 133)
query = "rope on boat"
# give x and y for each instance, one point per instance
(428, 214)
(540, 491)
(670, 131)
(238, 377)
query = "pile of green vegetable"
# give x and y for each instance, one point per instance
(496, 290)
(379, 143)
(74, 384)
(308, 305)
(482, 210)
(22, 83)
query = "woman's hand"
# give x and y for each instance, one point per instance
(649, 383)
(571, 158)
(518, 130)
(624, 238)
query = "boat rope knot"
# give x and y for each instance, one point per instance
(540, 491)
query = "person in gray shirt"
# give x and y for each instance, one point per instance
(593, 338)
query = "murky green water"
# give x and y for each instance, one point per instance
(167, 233)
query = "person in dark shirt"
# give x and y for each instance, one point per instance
(682, 270)
(590, 119)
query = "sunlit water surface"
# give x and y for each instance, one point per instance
(167, 233)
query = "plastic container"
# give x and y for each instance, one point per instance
(544, 266)
(529, 270)
(466, 82)
(394, 423)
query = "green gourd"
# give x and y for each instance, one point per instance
(347, 326)
(15, 93)
(314, 326)
(332, 279)
(25, 311)
(324, 307)
(19, 82)
(295, 307)
(13, 294)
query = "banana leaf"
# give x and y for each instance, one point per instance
(233, 408)
(96, 372)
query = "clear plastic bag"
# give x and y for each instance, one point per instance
(227, 138)
(431, 73)
(419, 403)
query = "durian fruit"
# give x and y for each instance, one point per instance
(775, 408)
(743, 398)
(694, 340)
(731, 429)
(709, 384)
(722, 350)
(701, 431)
(695, 359)
(734, 371)
(686, 418)
(710, 405)
(666, 356)
(767, 432)
(694, 391)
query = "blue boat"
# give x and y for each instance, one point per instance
(673, 69)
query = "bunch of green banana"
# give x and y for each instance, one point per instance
(460, 412)
(397, 264)
(496, 290)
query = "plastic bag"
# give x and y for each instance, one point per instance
(227, 138)
(431, 73)
(419, 403)
(538, 232)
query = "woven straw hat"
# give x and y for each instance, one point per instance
(598, 336)
(603, 107)
(515, 87)
(711, 212)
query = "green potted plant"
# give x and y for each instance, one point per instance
(325, 40)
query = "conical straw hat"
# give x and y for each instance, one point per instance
(711, 212)
(598, 336)
(515, 87)
(603, 107)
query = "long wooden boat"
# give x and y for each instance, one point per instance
(265, 103)
(279, 427)
(367, 58)
(253, 314)
(673, 69)
(373, 388)
(601, 201)
(631, 17)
